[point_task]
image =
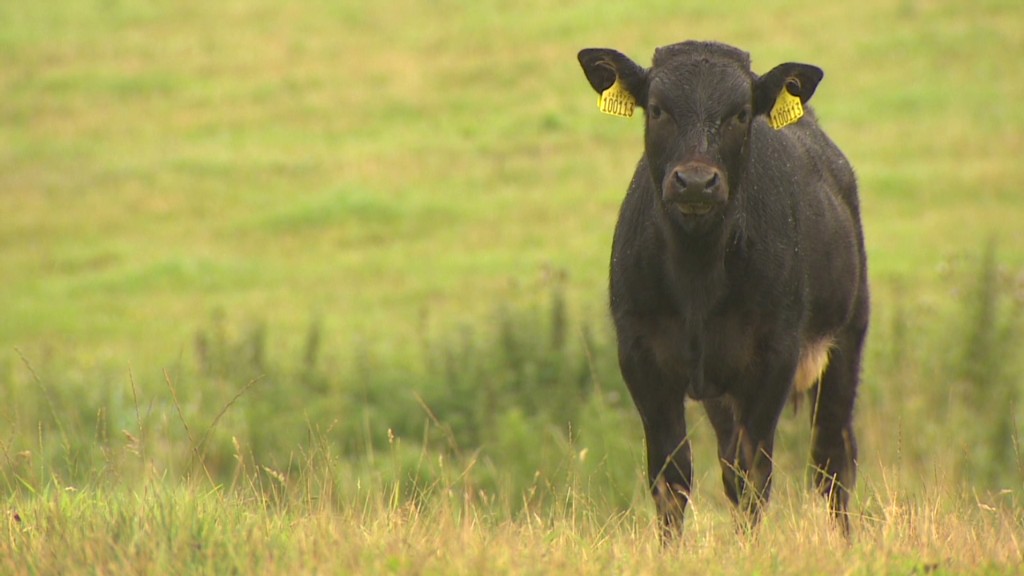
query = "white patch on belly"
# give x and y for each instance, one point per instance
(813, 361)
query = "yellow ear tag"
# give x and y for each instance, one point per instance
(786, 111)
(617, 101)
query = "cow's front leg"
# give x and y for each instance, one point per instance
(746, 443)
(669, 465)
(662, 409)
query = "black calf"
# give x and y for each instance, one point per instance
(738, 271)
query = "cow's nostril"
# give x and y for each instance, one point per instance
(712, 182)
(681, 180)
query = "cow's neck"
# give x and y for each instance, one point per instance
(697, 267)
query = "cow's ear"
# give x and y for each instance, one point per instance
(603, 65)
(798, 79)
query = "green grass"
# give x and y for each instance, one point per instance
(273, 522)
(373, 223)
(375, 163)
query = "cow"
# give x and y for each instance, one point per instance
(738, 270)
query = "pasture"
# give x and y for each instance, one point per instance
(321, 287)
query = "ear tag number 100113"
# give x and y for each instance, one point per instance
(787, 110)
(617, 101)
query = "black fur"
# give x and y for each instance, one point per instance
(738, 247)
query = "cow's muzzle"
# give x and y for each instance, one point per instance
(695, 189)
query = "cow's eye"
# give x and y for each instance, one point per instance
(654, 111)
(743, 116)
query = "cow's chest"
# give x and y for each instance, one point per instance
(708, 355)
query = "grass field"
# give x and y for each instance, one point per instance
(320, 286)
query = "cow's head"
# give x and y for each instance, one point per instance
(700, 100)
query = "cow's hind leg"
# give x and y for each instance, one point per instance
(834, 449)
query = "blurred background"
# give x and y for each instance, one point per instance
(383, 229)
